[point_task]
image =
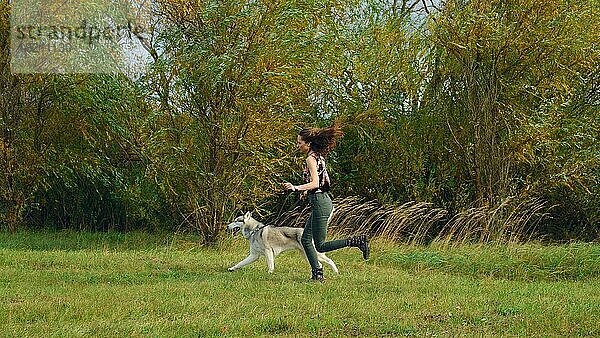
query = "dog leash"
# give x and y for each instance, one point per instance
(283, 205)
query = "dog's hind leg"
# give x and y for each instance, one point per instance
(246, 261)
(328, 261)
(303, 253)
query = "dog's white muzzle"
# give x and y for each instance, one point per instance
(234, 227)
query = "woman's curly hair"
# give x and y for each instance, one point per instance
(322, 140)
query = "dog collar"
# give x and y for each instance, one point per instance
(257, 230)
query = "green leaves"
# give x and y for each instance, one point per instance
(462, 106)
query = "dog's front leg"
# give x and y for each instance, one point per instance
(270, 256)
(251, 258)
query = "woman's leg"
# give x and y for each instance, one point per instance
(321, 211)
(307, 244)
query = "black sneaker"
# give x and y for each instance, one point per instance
(317, 275)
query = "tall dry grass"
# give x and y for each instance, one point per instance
(422, 223)
(510, 221)
(411, 222)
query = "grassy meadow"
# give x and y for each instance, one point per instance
(135, 284)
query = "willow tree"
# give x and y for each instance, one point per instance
(392, 145)
(239, 73)
(14, 177)
(498, 64)
(490, 100)
(25, 104)
(64, 142)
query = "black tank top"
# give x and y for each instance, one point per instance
(324, 181)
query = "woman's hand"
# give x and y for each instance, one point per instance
(303, 195)
(288, 186)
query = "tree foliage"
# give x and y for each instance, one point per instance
(220, 138)
(462, 104)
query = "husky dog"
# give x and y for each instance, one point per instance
(270, 241)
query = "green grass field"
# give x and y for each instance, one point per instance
(73, 284)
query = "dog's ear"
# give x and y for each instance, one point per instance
(248, 215)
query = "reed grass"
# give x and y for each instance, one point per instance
(418, 223)
(510, 221)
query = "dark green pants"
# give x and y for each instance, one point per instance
(315, 229)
